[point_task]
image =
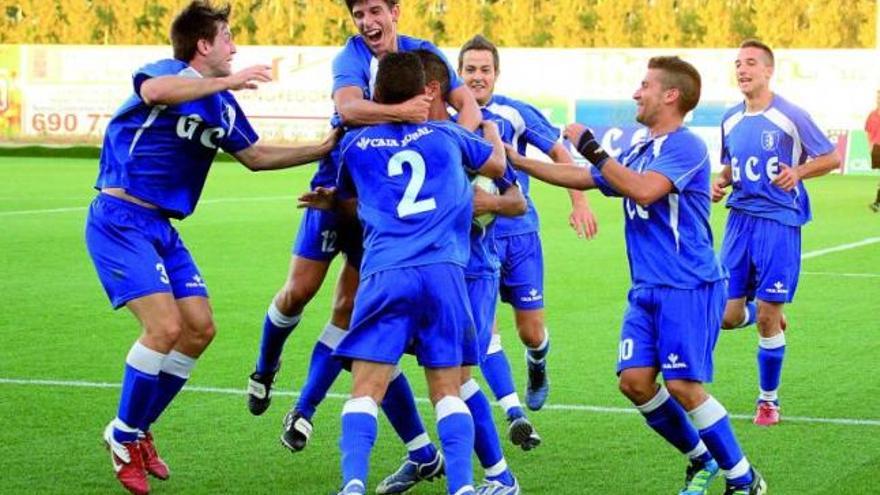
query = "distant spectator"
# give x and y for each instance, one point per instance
(872, 127)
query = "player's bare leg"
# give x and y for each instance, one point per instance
(533, 333)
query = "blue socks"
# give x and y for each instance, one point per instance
(276, 328)
(323, 370)
(771, 352)
(486, 442)
(711, 419)
(175, 371)
(399, 406)
(456, 431)
(139, 384)
(496, 371)
(359, 429)
(666, 416)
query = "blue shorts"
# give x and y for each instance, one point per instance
(483, 295)
(423, 309)
(137, 252)
(673, 330)
(763, 257)
(323, 234)
(522, 270)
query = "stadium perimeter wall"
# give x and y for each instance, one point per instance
(66, 94)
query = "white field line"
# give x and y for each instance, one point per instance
(552, 407)
(845, 275)
(842, 247)
(290, 197)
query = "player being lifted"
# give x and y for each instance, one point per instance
(519, 246)
(678, 291)
(765, 147)
(324, 233)
(157, 152)
(415, 204)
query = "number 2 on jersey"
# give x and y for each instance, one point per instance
(408, 204)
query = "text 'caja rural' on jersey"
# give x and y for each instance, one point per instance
(414, 197)
(755, 144)
(669, 243)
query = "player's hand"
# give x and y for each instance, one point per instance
(490, 129)
(484, 202)
(787, 179)
(249, 77)
(583, 221)
(415, 109)
(719, 188)
(573, 133)
(513, 156)
(322, 198)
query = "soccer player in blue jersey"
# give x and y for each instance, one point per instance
(768, 147)
(481, 276)
(414, 202)
(677, 298)
(323, 234)
(156, 155)
(522, 264)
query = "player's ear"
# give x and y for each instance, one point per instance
(203, 46)
(395, 12)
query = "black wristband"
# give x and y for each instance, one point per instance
(591, 150)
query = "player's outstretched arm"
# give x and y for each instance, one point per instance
(266, 157)
(171, 90)
(644, 189)
(355, 110)
(821, 165)
(581, 218)
(569, 176)
(469, 115)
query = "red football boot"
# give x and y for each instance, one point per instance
(152, 462)
(128, 463)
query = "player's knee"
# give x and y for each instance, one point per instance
(166, 331)
(343, 304)
(204, 334)
(637, 391)
(688, 393)
(730, 320)
(293, 297)
(769, 322)
(531, 331)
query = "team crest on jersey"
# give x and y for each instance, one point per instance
(769, 140)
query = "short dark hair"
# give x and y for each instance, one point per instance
(435, 69)
(478, 42)
(399, 78)
(753, 43)
(351, 3)
(682, 76)
(198, 21)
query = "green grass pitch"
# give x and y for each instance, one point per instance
(56, 325)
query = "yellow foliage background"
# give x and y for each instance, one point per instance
(512, 23)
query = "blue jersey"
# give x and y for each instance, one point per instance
(484, 262)
(414, 197)
(754, 144)
(669, 243)
(356, 66)
(527, 125)
(161, 154)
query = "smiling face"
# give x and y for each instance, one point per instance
(753, 71)
(479, 74)
(377, 23)
(650, 98)
(218, 53)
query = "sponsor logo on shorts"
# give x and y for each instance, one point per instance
(673, 363)
(778, 288)
(197, 281)
(534, 295)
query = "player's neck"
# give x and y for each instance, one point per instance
(666, 126)
(759, 101)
